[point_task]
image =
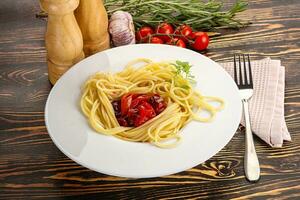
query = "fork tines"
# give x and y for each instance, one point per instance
(244, 79)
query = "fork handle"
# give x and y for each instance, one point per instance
(251, 164)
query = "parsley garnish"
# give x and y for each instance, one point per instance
(183, 69)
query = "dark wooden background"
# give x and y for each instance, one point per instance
(31, 167)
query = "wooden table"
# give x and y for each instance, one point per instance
(32, 167)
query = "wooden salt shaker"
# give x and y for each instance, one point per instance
(93, 22)
(64, 41)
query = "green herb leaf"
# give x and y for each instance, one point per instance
(183, 69)
(185, 87)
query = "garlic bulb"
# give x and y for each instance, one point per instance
(121, 28)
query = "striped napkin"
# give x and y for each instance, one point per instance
(267, 103)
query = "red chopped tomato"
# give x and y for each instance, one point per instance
(125, 103)
(146, 112)
(158, 103)
(136, 109)
(139, 98)
(122, 121)
(143, 97)
(117, 108)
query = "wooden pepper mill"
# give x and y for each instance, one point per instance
(64, 42)
(93, 22)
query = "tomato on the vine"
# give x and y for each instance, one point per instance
(156, 40)
(164, 28)
(201, 41)
(199, 33)
(184, 30)
(177, 42)
(143, 33)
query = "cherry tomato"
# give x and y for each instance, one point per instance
(177, 42)
(184, 30)
(199, 33)
(125, 103)
(201, 41)
(164, 28)
(192, 36)
(143, 33)
(156, 40)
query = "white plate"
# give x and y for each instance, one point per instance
(71, 133)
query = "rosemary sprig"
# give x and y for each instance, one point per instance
(198, 14)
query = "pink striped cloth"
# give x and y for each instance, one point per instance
(267, 103)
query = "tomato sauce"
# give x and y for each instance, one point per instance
(133, 110)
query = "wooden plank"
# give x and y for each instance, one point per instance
(31, 166)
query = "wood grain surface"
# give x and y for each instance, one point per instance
(31, 166)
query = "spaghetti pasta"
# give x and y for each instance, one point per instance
(183, 103)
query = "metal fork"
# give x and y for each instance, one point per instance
(245, 84)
